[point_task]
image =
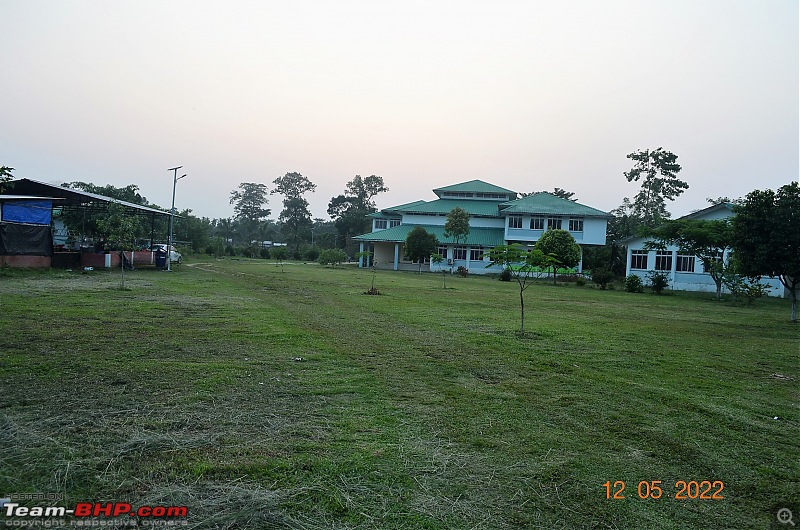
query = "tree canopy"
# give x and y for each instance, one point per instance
(706, 239)
(5, 176)
(766, 236)
(295, 216)
(420, 244)
(658, 170)
(457, 225)
(349, 211)
(249, 200)
(562, 246)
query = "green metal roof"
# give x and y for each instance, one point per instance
(478, 186)
(387, 212)
(484, 237)
(484, 208)
(547, 203)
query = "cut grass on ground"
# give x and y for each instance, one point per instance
(269, 397)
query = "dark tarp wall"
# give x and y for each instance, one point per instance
(36, 212)
(25, 240)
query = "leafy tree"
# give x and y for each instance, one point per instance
(419, 245)
(195, 231)
(295, 216)
(279, 254)
(722, 200)
(296, 219)
(706, 239)
(562, 246)
(349, 210)
(766, 236)
(248, 207)
(658, 170)
(523, 264)
(332, 257)
(602, 277)
(456, 225)
(5, 176)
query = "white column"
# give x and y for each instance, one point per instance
(396, 255)
(361, 258)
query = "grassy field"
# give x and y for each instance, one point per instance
(270, 399)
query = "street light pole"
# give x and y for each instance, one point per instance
(175, 180)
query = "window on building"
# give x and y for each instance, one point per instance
(684, 263)
(537, 223)
(442, 251)
(663, 261)
(380, 224)
(515, 221)
(394, 222)
(576, 225)
(459, 252)
(476, 253)
(639, 259)
(554, 223)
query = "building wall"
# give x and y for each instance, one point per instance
(26, 262)
(699, 280)
(594, 230)
(440, 220)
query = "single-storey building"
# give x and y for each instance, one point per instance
(686, 272)
(497, 216)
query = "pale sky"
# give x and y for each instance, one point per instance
(528, 95)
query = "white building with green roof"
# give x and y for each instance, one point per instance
(496, 217)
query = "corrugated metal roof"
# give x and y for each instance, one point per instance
(482, 208)
(478, 186)
(547, 203)
(484, 237)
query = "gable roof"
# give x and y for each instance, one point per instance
(477, 186)
(484, 237)
(546, 203)
(699, 214)
(444, 206)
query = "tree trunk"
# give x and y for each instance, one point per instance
(521, 312)
(554, 274)
(793, 295)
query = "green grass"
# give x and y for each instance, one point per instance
(269, 399)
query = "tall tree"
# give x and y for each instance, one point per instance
(248, 207)
(706, 239)
(456, 225)
(562, 246)
(766, 236)
(296, 217)
(349, 211)
(5, 176)
(420, 245)
(658, 170)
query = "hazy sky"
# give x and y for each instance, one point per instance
(527, 95)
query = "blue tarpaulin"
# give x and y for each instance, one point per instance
(35, 212)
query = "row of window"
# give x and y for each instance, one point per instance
(683, 262)
(460, 253)
(382, 224)
(538, 223)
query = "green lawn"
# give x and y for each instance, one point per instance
(269, 399)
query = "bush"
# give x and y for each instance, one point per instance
(332, 256)
(748, 288)
(462, 271)
(230, 251)
(505, 276)
(264, 253)
(658, 281)
(580, 282)
(210, 250)
(602, 277)
(633, 284)
(311, 254)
